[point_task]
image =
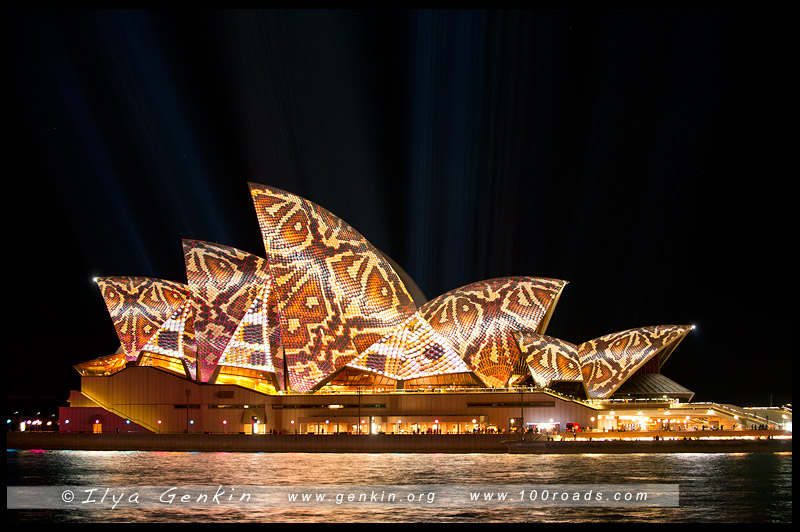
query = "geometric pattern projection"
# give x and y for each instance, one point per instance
(174, 339)
(224, 283)
(255, 342)
(550, 359)
(336, 294)
(325, 300)
(412, 351)
(606, 362)
(138, 307)
(479, 320)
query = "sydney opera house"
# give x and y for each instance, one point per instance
(326, 334)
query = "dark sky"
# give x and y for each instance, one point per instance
(642, 155)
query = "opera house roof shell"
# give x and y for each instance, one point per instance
(325, 307)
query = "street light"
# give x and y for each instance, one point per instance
(188, 393)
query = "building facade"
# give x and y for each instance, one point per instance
(326, 334)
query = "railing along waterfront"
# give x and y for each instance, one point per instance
(453, 390)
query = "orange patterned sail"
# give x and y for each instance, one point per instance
(325, 300)
(224, 282)
(175, 338)
(608, 361)
(479, 321)
(412, 351)
(336, 294)
(255, 343)
(139, 306)
(550, 359)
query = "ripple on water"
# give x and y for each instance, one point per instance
(754, 487)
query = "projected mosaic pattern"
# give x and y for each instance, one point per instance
(328, 301)
(138, 306)
(336, 294)
(174, 339)
(412, 351)
(550, 359)
(255, 343)
(479, 321)
(606, 362)
(224, 282)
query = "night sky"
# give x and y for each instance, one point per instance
(642, 155)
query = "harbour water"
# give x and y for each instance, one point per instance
(713, 488)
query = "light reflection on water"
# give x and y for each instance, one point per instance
(748, 487)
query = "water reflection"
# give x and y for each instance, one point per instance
(754, 487)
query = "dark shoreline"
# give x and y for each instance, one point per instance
(379, 443)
